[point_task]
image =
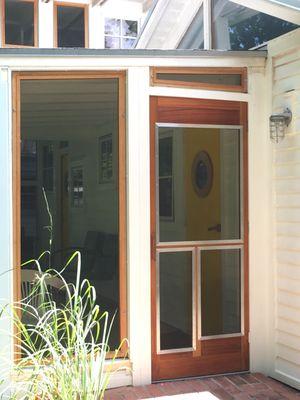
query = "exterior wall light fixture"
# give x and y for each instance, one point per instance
(278, 124)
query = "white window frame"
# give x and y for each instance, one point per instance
(121, 36)
(207, 24)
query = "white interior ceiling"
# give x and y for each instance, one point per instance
(55, 104)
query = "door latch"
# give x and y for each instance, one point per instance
(216, 228)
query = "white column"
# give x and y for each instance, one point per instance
(6, 241)
(45, 24)
(207, 24)
(96, 28)
(138, 191)
(260, 221)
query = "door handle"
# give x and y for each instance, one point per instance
(216, 228)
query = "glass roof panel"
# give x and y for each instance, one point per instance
(237, 27)
(288, 3)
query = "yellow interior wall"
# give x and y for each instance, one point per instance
(203, 212)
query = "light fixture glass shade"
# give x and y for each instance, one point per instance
(278, 124)
(277, 129)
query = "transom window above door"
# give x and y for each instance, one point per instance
(120, 33)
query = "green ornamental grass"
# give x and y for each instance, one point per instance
(60, 351)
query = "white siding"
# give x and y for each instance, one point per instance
(284, 55)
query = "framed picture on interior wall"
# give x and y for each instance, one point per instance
(77, 187)
(106, 159)
(202, 174)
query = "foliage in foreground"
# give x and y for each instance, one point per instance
(61, 352)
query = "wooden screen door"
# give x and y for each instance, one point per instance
(199, 237)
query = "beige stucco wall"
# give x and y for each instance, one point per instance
(284, 73)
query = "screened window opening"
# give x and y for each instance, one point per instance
(226, 79)
(20, 22)
(175, 312)
(220, 288)
(119, 33)
(237, 27)
(203, 198)
(71, 26)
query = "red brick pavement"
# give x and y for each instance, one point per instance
(228, 387)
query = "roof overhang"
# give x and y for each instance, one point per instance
(130, 53)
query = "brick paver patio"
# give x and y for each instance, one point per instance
(229, 387)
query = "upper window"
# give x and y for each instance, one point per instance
(119, 33)
(226, 79)
(20, 18)
(237, 27)
(71, 25)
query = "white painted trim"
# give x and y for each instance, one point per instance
(6, 202)
(277, 10)
(122, 377)
(138, 224)
(96, 28)
(72, 63)
(207, 24)
(287, 379)
(260, 220)
(197, 93)
(45, 24)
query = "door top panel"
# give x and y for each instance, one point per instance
(198, 111)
